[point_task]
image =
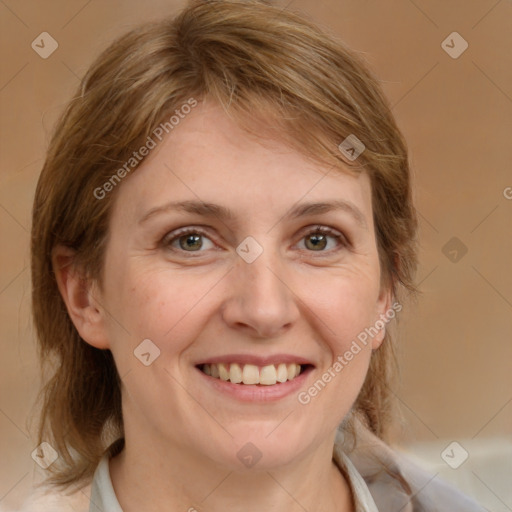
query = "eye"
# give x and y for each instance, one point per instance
(191, 239)
(187, 240)
(317, 239)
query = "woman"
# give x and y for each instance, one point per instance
(222, 236)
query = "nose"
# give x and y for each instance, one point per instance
(261, 301)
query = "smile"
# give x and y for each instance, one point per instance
(250, 374)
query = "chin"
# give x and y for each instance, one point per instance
(262, 449)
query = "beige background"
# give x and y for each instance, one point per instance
(457, 117)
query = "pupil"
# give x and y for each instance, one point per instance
(318, 241)
(191, 242)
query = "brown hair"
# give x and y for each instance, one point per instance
(259, 62)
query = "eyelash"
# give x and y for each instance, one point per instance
(323, 230)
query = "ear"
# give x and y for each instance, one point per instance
(383, 316)
(80, 296)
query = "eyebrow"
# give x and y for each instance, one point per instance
(206, 209)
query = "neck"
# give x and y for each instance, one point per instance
(150, 478)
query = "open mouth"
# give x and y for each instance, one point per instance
(250, 374)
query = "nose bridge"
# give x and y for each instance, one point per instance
(260, 298)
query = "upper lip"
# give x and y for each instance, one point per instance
(256, 360)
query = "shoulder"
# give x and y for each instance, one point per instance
(47, 499)
(433, 493)
(383, 468)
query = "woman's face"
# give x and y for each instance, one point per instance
(240, 278)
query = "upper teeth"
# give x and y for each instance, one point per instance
(252, 374)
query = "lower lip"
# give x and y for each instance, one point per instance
(257, 392)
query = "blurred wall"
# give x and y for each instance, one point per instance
(455, 109)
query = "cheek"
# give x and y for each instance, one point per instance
(345, 306)
(347, 312)
(165, 307)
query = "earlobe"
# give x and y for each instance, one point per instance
(78, 293)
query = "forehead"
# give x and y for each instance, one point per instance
(209, 157)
